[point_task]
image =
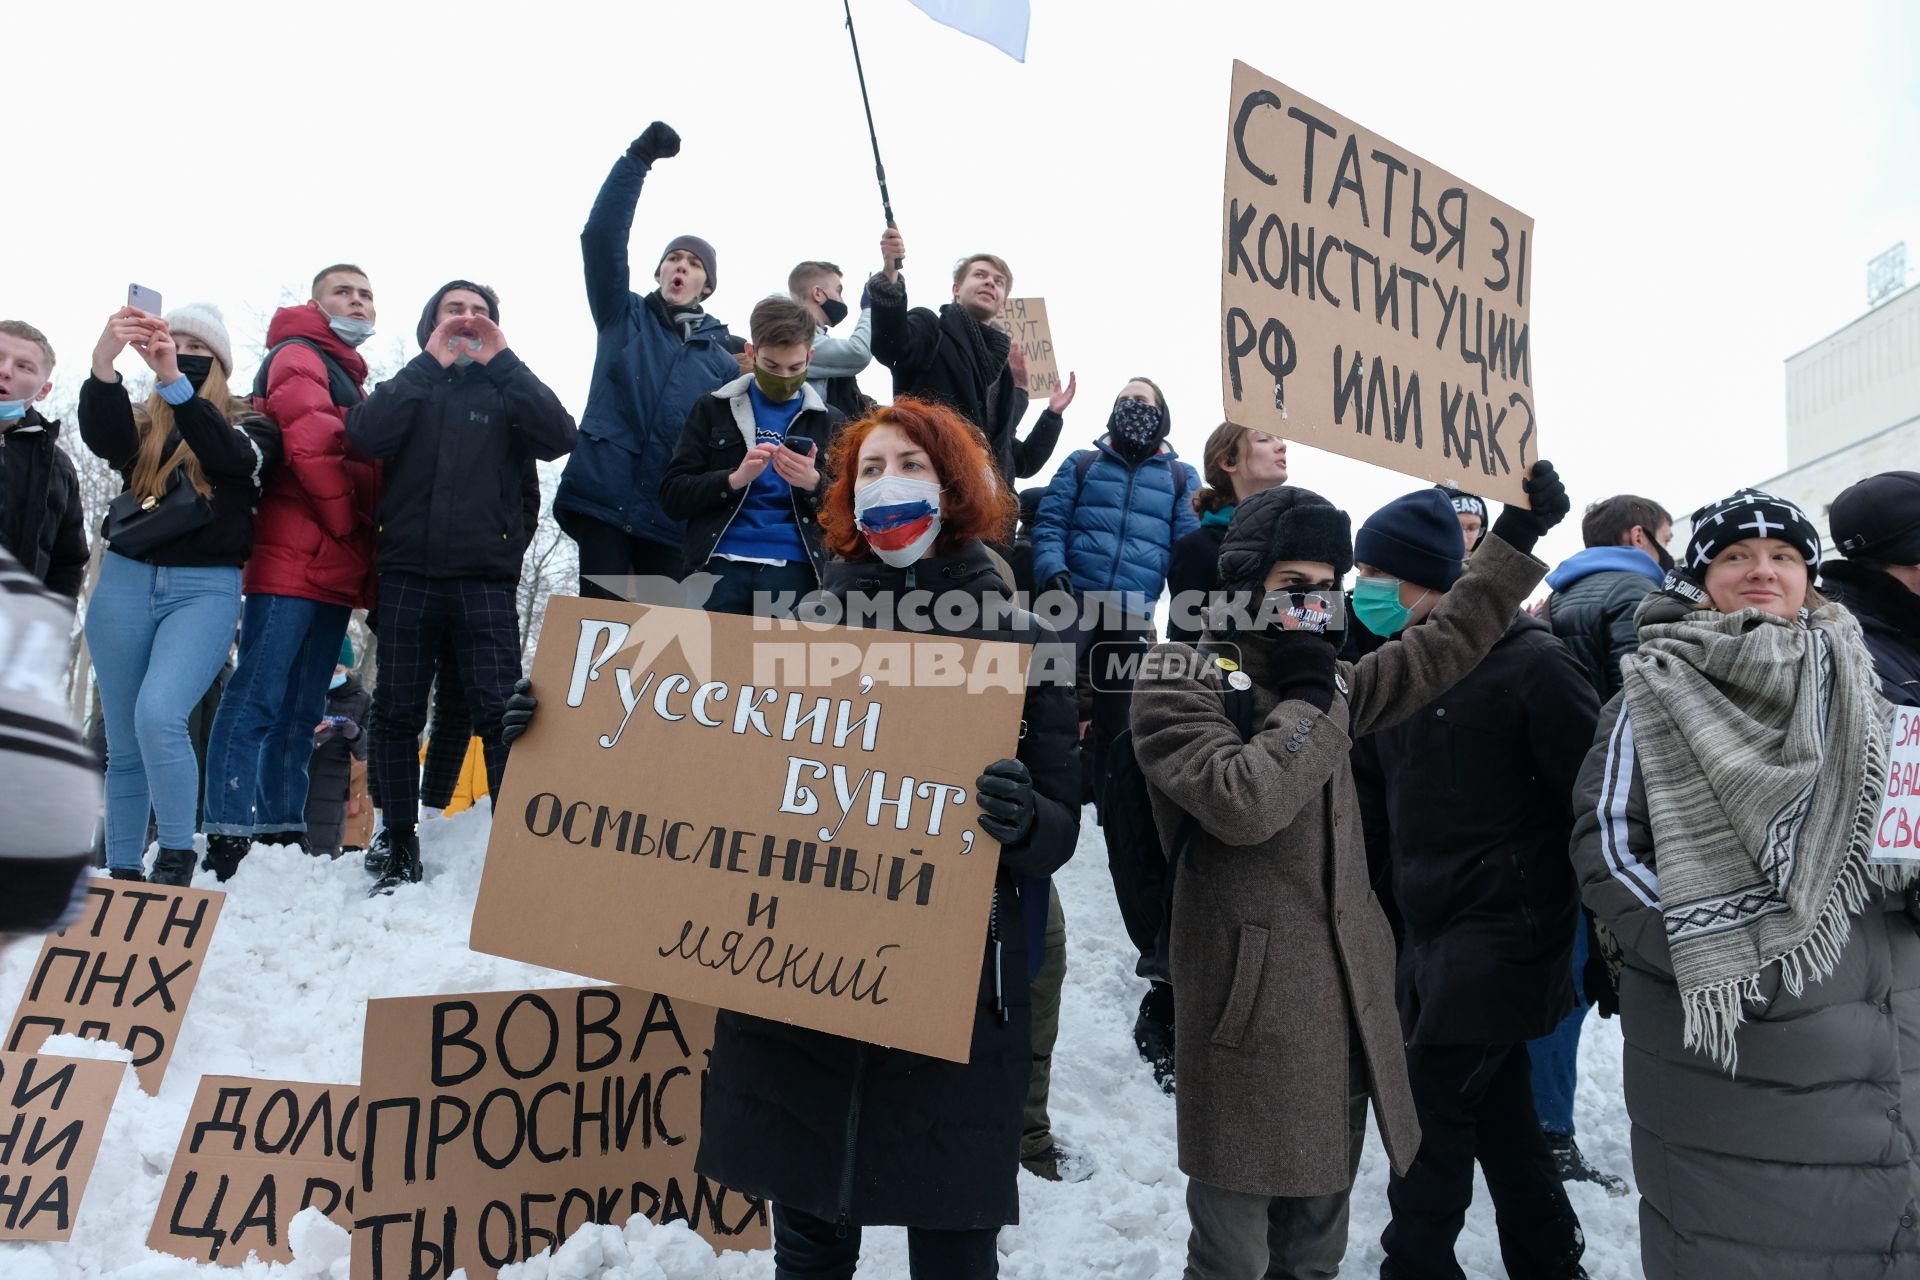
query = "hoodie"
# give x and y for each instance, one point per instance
(1595, 595)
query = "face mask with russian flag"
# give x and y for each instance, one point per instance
(900, 517)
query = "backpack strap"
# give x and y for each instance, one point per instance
(1082, 463)
(341, 387)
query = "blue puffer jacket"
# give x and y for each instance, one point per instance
(1115, 531)
(645, 380)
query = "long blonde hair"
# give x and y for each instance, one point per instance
(151, 475)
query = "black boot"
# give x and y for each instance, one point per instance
(403, 863)
(1153, 1033)
(379, 853)
(1572, 1165)
(223, 856)
(172, 866)
(126, 873)
(286, 839)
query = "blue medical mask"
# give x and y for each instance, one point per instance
(351, 330)
(13, 410)
(1376, 602)
(339, 678)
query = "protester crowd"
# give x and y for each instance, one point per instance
(1381, 841)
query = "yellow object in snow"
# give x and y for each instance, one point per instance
(472, 787)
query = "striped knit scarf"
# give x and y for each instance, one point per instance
(1762, 746)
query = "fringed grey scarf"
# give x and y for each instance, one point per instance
(1763, 746)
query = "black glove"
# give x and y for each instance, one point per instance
(657, 143)
(1062, 581)
(1521, 527)
(1005, 792)
(520, 707)
(1305, 663)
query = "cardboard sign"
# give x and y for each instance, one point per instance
(1372, 304)
(774, 818)
(1024, 320)
(496, 1124)
(55, 1111)
(124, 972)
(254, 1154)
(1896, 838)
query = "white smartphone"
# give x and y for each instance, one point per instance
(147, 300)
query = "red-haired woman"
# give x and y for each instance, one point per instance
(838, 1134)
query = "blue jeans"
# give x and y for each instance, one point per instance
(159, 636)
(741, 580)
(1556, 1055)
(262, 736)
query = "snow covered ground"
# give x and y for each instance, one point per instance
(299, 949)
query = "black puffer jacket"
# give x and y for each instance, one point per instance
(40, 519)
(456, 443)
(697, 487)
(1193, 571)
(1889, 617)
(330, 772)
(1475, 790)
(867, 1136)
(237, 450)
(1593, 605)
(962, 363)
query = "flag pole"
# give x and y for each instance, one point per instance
(879, 169)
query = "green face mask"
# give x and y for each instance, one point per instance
(1376, 602)
(776, 388)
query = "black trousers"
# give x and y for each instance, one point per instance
(479, 621)
(1476, 1102)
(810, 1248)
(607, 552)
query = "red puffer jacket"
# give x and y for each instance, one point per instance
(313, 536)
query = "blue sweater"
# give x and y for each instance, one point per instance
(763, 527)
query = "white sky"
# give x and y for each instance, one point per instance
(1707, 182)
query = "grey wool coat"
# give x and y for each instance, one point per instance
(1804, 1162)
(1280, 950)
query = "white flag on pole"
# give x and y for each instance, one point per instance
(1001, 23)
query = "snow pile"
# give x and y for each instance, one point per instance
(300, 949)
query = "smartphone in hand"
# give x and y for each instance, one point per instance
(147, 300)
(800, 445)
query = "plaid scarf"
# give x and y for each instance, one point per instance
(1763, 747)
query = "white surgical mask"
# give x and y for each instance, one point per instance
(900, 517)
(351, 330)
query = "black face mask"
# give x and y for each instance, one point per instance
(1661, 554)
(835, 309)
(195, 369)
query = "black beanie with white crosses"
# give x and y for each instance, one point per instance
(1750, 513)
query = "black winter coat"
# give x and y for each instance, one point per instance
(41, 523)
(237, 454)
(868, 1136)
(330, 772)
(962, 363)
(1194, 567)
(714, 441)
(455, 443)
(1889, 617)
(1595, 618)
(1476, 792)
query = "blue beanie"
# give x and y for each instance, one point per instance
(1416, 538)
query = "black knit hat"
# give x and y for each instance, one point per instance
(1416, 538)
(1750, 513)
(1464, 503)
(427, 321)
(1877, 520)
(1287, 523)
(700, 249)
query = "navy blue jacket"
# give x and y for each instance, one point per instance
(645, 379)
(1116, 531)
